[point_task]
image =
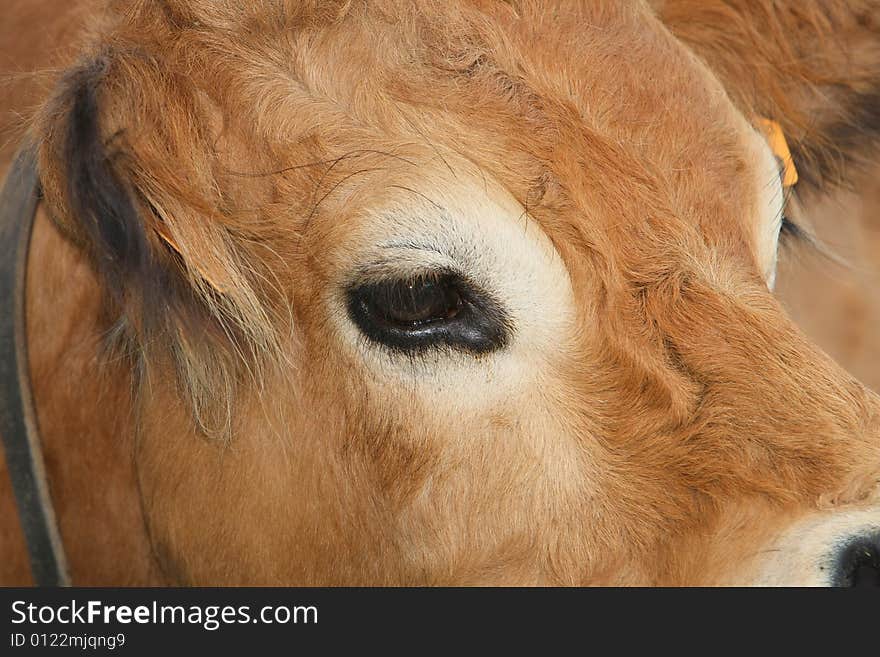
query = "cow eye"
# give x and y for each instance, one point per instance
(432, 309)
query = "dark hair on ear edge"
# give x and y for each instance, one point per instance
(103, 207)
(145, 281)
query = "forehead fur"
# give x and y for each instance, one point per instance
(250, 130)
(593, 106)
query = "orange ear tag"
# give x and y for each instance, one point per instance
(220, 289)
(776, 139)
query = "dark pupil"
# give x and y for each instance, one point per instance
(419, 301)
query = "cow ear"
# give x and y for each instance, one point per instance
(107, 199)
(125, 165)
(88, 193)
(812, 67)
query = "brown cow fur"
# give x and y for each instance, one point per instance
(205, 421)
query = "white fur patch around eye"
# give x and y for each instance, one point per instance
(505, 399)
(471, 226)
(769, 209)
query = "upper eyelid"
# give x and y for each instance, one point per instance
(789, 229)
(425, 252)
(412, 255)
(395, 264)
(413, 246)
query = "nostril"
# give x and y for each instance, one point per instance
(858, 564)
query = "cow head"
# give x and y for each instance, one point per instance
(473, 292)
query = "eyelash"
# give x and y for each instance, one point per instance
(790, 232)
